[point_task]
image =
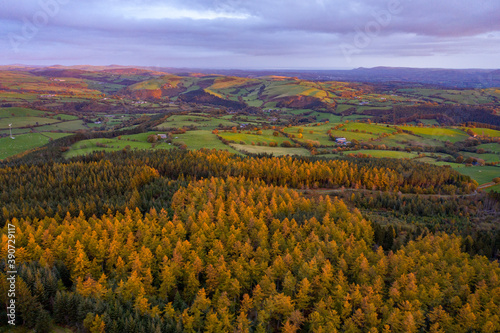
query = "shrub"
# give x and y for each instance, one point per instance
(152, 138)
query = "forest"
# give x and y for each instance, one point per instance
(209, 241)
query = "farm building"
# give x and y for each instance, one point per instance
(162, 136)
(341, 141)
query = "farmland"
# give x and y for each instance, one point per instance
(309, 115)
(21, 143)
(248, 137)
(438, 134)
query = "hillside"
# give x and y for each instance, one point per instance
(146, 201)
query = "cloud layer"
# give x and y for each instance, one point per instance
(252, 34)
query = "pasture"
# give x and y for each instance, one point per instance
(19, 122)
(438, 133)
(384, 153)
(276, 151)
(250, 136)
(10, 147)
(195, 140)
(482, 174)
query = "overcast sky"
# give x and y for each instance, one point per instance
(252, 34)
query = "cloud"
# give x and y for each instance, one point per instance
(232, 32)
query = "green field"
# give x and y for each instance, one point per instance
(404, 140)
(332, 118)
(384, 153)
(64, 116)
(276, 151)
(10, 147)
(55, 135)
(495, 188)
(485, 132)
(266, 137)
(438, 133)
(25, 122)
(429, 122)
(88, 146)
(486, 157)
(15, 131)
(472, 97)
(20, 112)
(179, 121)
(201, 139)
(482, 174)
(67, 126)
(193, 140)
(351, 136)
(492, 147)
(372, 128)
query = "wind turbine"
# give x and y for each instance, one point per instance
(10, 127)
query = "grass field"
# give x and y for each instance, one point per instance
(332, 118)
(485, 157)
(493, 147)
(265, 137)
(55, 135)
(486, 132)
(64, 116)
(459, 96)
(350, 136)
(20, 112)
(319, 133)
(16, 131)
(276, 151)
(201, 139)
(438, 133)
(25, 122)
(401, 140)
(429, 122)
(10, 147)
(89, 146)
(495, 188)
(179, 121)
(384, 153)
(372, 128)
(482, 174)
(67, 126)
(193, 139)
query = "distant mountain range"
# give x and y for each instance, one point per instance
(453, 78)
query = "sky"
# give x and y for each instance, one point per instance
(256, 34)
